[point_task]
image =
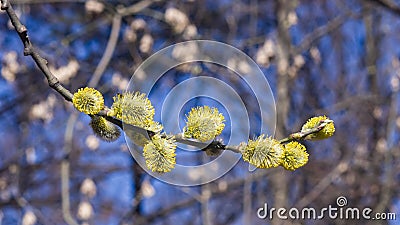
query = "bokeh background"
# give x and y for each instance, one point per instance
(338, 58)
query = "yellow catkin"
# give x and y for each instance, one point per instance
(88, 100)
(325, 132)
(263, 152)
(104, 129)
(132, 108)
(159, 154)
(295, 155)
(204, 123)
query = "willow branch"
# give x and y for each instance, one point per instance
(54, 83)
(218, 145)
(29, 50)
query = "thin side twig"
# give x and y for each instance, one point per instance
(65, 171)
(301, 135)
(387, 4)
(105, 59)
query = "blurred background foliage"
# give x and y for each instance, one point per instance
(339, 58)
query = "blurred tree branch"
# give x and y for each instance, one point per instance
(65, 171)
(335, 85)
(321, 31)
(323, 184)
(105, 59)
(387, 4)
(215, 190)
(279, 181)
(54, 83)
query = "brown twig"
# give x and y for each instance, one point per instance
(29, 50)
(54, 83)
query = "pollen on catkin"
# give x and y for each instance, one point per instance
(104, 129)
(88, 100)
(159, 154)
(204, 123)
(263, 152)
(294, 156)
(325, 132)
(140, 139)
(132, 108)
